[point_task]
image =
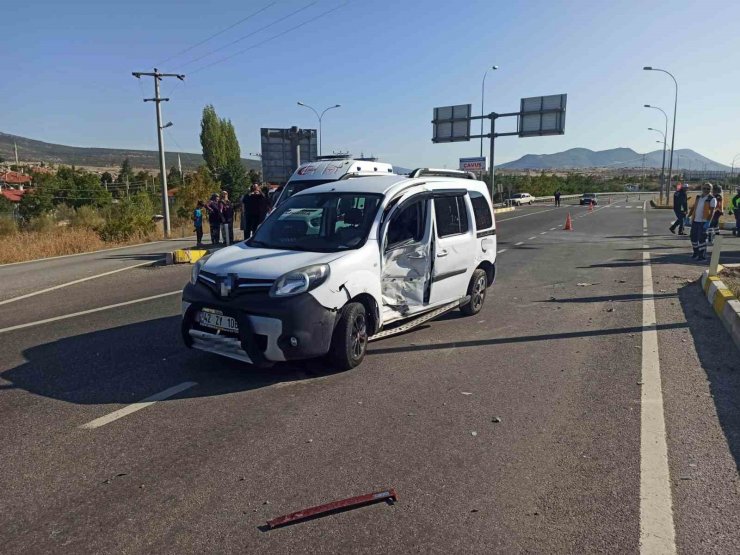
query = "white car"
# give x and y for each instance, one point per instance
(521, 198)
(341, 263)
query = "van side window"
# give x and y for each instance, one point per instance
(452, 216)
(407, 226)
(481, 211)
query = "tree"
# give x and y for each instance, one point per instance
(35, 203)
(125, 172)
(221, 151)
(106, 178)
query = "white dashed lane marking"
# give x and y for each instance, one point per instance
(519, 243)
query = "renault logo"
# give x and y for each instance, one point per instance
(227, 284)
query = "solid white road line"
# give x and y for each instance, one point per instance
(519, 243)
(657, 533)
(125, 411)
(500, 251)
(92, 310)
(525, 215)
(75, 282)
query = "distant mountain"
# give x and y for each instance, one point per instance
(30, 150)
(582, 158)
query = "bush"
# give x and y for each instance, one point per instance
(129, 218)
(7, 226)
(41, 224)
(64, 213)
(86, 217)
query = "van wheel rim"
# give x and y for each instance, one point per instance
(358, 340)
(479, 293)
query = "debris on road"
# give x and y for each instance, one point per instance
(586, 284)
(473, 434)
(496, 420)
(466, 393)
(334, 506)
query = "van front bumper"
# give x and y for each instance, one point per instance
(270, 329)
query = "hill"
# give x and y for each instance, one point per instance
(30, 150)
(581, 158)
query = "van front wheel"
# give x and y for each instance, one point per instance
(349, 342)
(477, 293)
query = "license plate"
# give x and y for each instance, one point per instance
(215, 319)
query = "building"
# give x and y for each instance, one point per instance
(283, 150)
(14, 180)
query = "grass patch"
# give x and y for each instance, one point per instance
(731, 278)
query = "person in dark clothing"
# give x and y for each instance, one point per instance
(735, 209)
(227, 218)
(256, 207)
(198, 221)
(214, 219)
(557, 198)
(680, 207)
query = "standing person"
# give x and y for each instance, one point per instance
(717, 214)
(227, 217)
(256, 207)
(557, 198)
(198, 222)
(701, 213)
(214, 219)
(680, 207)
(735, 208)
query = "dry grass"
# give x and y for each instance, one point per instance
(30, 245)
(731, 278)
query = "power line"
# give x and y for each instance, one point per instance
(222, 31)
(269, 39)
(291, 14)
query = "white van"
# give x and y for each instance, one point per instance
(343, 263)
(311, 174)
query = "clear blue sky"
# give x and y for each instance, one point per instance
(67, 66)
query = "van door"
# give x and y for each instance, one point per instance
(405, 243)
(454, 247)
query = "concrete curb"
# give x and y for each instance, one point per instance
(184, 256)
(502, 210)
(724, 303)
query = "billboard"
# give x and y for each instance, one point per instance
(542, 115)
(451, 124)
(476, 164)
(280, 149)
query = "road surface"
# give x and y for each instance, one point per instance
(524, 429)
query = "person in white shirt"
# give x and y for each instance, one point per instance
(701, 214)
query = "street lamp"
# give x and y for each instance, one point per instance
(319, 116)
(662, 167)
(675, 106)
(482, 99)
(665, 135)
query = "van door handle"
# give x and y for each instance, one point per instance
(440, 254)
(416, 255)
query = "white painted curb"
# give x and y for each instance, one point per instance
(728, 311)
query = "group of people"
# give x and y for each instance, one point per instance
(703, 216)
(220, 213)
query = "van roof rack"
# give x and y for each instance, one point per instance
(437, 172)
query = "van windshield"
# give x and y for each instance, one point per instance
(293, 187)
(321, 222)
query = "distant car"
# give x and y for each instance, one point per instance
(588, 198)
(521, 198)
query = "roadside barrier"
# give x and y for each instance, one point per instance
(185, 256)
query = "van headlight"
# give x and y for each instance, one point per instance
(196, 269)
(299, 281)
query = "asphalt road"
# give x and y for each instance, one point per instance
(555, 355)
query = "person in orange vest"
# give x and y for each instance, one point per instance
(700, 214)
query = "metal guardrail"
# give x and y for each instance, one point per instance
(551, 198)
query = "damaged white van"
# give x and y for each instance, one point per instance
(343, 263)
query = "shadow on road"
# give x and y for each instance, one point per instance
(719, 360)
(609, 298)
(126, 364)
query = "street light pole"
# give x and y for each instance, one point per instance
(665, 136)
(320, 117)
(482, 102)
(675, 108)
(662, 168)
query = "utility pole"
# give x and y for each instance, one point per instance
(162, 169)
(179, 168)
(15, 146)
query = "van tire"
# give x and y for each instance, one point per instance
(349, 342)
(477, 293)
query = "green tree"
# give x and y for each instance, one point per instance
(212, 141)
(35, 203)
(221, 152)
(106, 178)
(126, 171)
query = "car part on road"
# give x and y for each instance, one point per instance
(415, 323)
(335, 506)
